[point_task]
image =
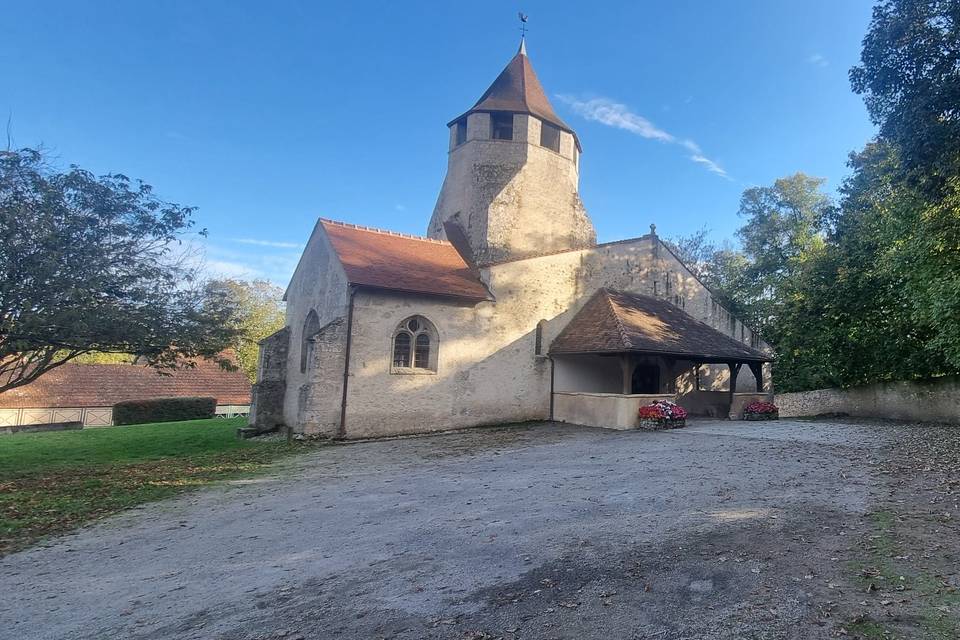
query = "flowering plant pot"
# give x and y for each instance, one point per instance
(662, 414)
(761, 411)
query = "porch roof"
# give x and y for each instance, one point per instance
(620, 322)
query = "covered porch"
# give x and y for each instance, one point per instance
(625, 350)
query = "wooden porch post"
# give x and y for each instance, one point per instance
(671, 382)
(757, 369)
(734, 371)
(626, 362)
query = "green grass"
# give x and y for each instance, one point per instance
(926, 591)
(51, 483)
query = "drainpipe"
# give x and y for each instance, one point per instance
(551, 388)
(342, 431)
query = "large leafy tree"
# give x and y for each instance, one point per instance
(783, 230)
(847, 320)
(92, 264)
(910, 79)
(259, 313)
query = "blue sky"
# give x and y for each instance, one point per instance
(269, 115)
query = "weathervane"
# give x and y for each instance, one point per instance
(523, 24)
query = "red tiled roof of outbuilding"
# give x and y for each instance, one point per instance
(103, 385)
(622, 322)
(399, 262)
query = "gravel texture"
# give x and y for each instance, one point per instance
(546, 531)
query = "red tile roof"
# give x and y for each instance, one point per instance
(518, 90)
(620, 322)
(103, 385)
(399, 262)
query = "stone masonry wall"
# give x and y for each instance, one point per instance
(513, 198)
(266, 406)
(936, 400)
(319, 284)
(487, 369)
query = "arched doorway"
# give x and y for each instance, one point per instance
(646, 379)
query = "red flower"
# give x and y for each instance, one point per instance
(761, 407)
(651, 412)
(662, 410)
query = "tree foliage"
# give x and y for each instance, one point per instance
(869, 290)
(259, 313)
(90, 264)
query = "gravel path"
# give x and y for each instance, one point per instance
(718, 530)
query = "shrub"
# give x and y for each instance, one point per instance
(163, 410)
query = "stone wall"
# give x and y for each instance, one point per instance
(607, 410)
(935, 400)
(267, 396)
(488, 370)
(513, 198)
(318, 284)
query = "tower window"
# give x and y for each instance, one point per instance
(501, 126)
(461, 126)
(550, 137)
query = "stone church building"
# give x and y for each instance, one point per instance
(508, 310)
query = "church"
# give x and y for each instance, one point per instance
(507, 310)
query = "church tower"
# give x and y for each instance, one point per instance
(512, 184)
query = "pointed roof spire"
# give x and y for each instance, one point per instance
(518, 90)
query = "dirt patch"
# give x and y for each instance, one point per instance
(721, 530)
(904, 577)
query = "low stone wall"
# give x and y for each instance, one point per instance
(936, 400)
(741, 400)
(607, 410)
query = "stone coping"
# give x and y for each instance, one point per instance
(654, 396)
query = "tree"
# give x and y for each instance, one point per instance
(260, 312)
(721, 268)
(784, 229)
(910, 78)
(89, 264)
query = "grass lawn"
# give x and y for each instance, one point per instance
(53, 482)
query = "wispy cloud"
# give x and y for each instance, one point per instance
(696, 154)
(614, 114)
(399, 207)
(818, 60)
(619, 116)
(275, 264)
(268, 243)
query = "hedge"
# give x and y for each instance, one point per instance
(163, 410)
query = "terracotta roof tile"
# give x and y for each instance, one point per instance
(398, 262)
(618, 322)
(103, 385)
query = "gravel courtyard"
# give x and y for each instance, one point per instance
(718, 530)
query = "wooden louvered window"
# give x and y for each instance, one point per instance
(550, 137)
(501, 126)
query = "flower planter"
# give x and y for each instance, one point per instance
(762, 416)
(651, 424)
(761, 411)
(662, 414)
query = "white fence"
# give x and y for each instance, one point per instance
(89, 416)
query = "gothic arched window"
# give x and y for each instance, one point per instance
(310, 328)
(415, 343)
